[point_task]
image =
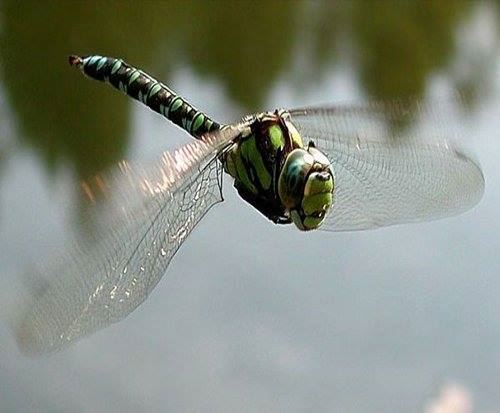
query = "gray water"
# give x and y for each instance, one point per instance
(250, 316)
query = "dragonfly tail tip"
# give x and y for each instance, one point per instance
(75, 60)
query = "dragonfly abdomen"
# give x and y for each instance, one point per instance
(144, 88)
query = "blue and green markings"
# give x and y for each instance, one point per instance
(252, 160)
(275, 173)
(272, 169)
(142, 87)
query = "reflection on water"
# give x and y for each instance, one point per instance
(373, 322)
(452, 398)
(401, 43)
(394, 46)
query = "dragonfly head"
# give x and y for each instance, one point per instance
(305, 187)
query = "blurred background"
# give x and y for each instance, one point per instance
(399, 319)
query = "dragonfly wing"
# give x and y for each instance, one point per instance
(391, 164)
(381, 120)
(147, 216)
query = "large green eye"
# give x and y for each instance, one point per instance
(293, 177)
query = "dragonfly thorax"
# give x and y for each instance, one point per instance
(277, 175)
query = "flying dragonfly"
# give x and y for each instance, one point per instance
(334, 168)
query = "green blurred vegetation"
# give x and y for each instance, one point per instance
(401, 43)
(394, 46)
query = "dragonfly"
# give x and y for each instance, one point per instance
(333, 168)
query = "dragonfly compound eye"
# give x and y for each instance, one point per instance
(293, 177)
(306, 187)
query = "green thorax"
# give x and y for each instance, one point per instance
(257, 157)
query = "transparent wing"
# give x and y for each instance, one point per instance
(147, 215)
(394, 162)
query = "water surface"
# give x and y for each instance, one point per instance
(251, 317)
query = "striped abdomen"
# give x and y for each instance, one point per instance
(144, 88)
